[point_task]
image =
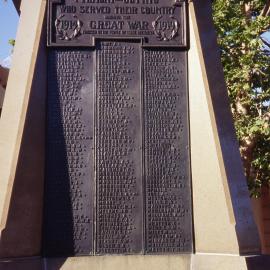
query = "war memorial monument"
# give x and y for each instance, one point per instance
(117, 148)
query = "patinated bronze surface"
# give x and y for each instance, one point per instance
(166, 152)
(119, 204)
(118, 165)
(70, 185)
(79, 22)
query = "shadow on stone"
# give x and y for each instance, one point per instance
(55, 263)
(22, 264)
(22, 234)
(258, 262)
(246, 230)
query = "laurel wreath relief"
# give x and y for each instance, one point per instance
(161, 34)
(63, 34)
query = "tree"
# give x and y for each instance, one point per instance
(242, 36)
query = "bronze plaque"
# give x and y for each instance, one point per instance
(118, 160)
(168, 227)
(119, 204)
(69, 185)
(80, 22)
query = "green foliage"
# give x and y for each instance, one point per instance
(12, 42)
(239, 26)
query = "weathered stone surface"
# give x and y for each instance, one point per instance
(229, 262)
(223, 219)
(183, 262)
(34, 263)
(22, 139)
(121, 263)
(222, 214)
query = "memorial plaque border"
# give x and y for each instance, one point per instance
(94, 42)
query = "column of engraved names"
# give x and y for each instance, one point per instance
(69, 175)
(167, 197)
(119, 209)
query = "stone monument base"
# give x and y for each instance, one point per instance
(223, 221)
(177, 262)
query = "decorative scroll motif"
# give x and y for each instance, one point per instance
(165, 30)
(64, 34)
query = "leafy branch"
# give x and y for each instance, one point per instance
(241, 27)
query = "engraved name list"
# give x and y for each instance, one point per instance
(117, 149)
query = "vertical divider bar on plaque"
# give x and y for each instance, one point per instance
(142, 148)
(96, 143)
(95, 147)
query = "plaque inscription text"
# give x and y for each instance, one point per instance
(168, 209)
(117, 163)
(69, 189)
(79, 22)
(118, 151)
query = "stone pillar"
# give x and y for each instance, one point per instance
(222, 208)
(22, 138)
(224, 227)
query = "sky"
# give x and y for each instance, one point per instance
(8, 26)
